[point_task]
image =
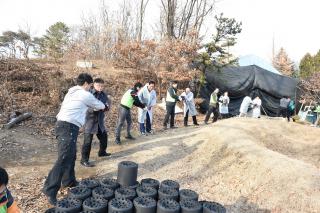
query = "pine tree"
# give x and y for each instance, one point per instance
(307, 65)
(283, 63)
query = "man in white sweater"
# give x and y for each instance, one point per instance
(70, 118)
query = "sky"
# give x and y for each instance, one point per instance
(292, 24)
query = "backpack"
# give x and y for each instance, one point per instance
(291, 105)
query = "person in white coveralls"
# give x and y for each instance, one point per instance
(147, 95)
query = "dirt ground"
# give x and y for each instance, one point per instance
(249, 165)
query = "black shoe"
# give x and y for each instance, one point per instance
(103, 154)
(196, 124)
(173, 127)
(86, 164)
(165, 128)
(72, 184)
(51, 200)
(130, 137)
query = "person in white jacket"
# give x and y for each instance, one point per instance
(256, 111)
(189, 107)
(147, 95)
(69, 120)
(245, 106)
(224, 101)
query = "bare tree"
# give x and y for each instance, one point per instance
(185, 16)
(141, 14)
(170, 8)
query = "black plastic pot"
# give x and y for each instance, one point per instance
(168, 193)
(69, 205)
(190, 206)
(168, 206)
(120, 205)
(91, 184)
(110, 183)
(93, 204)
(145, 205)
(170, 184)
(79, 192)
(127, 173)
(51, 210)
(187, 194)
(103, 192)
(147, 191)
(126, 193)
(150, 182)
(213, 207)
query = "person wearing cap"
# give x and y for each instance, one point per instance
(129, 99)
(213, 107)
(171, 100)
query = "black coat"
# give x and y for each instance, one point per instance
(95, 119)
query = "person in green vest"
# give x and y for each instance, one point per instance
(171, 100)
(129, 99)
(213, 107)
(7, 203)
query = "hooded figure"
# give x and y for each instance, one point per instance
(256, 111)
(245, 106)
(189, 107)
(147, 95)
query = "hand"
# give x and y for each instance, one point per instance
(106, 108)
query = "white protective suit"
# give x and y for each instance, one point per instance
(245, 105)
(150, 100)
(223, 107)
(256, 112)
(188, 104)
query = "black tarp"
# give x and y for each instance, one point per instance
(249, 80)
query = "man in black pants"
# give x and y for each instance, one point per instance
(69, 119)
(213, 107)
(171, 101)
(95, 125)
(129, 99)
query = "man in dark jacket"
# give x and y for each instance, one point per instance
(95, 125)
(171, 100)
(129, 99)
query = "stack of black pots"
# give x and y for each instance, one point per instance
(127, 195)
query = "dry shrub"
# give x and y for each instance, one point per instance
(30, 87)
(166, 59)
(311, 88)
